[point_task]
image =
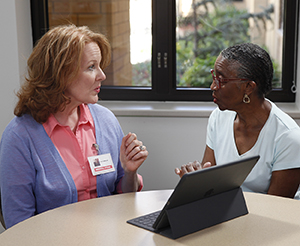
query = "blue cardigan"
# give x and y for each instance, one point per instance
(33, 176)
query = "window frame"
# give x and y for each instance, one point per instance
(39, 18)
(164, 41)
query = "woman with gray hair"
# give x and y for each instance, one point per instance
(247, 124)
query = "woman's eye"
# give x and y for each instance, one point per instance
(92, 67)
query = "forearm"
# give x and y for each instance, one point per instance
(130, 182)
(285, 182)
(208, 156)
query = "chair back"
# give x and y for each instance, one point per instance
(1, 215)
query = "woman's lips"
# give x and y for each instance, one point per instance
(215, 98)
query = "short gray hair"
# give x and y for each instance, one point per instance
(253, 63)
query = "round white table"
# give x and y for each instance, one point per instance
(102, 221)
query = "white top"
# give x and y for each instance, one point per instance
(278, 145)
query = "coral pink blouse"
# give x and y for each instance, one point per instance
(75, 148)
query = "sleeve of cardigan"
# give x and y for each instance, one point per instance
(17, 176)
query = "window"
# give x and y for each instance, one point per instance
(163, 49)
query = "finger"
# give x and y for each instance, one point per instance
(190, 167)
(127, 136)
(177, 171)
(131, 143)
(136, 150)
(131, 137)
(134, 147)
(142, 147)
(196, 165)
(140, 155)
(183, 170)
(206, 164)
(123, 144)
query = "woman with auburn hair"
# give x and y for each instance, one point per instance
(49, 150)
(53, 63)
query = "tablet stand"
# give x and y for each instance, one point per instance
(204, 213)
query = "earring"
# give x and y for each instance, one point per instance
(246, 99)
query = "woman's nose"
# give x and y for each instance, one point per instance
(101, 75)
(213, 85)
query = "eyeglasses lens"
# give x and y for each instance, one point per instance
(215, 79)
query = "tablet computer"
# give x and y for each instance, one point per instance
(197, 185)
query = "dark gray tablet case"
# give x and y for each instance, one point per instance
(206, 187)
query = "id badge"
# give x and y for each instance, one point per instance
(101, 164)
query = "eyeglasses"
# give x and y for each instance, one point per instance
(220, 81)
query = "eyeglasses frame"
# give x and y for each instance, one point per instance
(220, 81)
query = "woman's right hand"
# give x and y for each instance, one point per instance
(191, 167)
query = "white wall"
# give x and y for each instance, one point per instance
(15, 47)
(171, 142)
(9, 65)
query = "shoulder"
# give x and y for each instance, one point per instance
(99, 110)
(22, 125)
(282, 120)
(102, 116)
(282, 130)
(22, 131)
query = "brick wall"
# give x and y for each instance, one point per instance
(110, 17)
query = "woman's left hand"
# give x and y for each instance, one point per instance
(132, 153)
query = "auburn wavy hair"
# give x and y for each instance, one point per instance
(52, 66)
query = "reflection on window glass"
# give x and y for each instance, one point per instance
(127, 25)
(140, 41)
(204, 28)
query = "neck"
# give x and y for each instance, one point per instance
(254, 114)
(68, 117)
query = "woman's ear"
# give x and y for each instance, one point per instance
(250, 87)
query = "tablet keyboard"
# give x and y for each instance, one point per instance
(145, 221)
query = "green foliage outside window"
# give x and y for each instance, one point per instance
(211, 30)
(141, 74)
(211, 26)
